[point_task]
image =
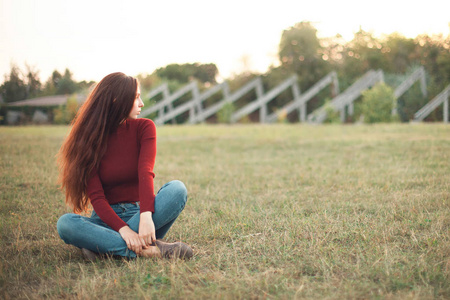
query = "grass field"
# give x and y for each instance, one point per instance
(281, 211)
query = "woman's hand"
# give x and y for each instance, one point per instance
(134, 242)
(147, 228)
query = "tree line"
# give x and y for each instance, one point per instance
(26, 84)
(300, 52)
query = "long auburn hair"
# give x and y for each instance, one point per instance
(106, 107)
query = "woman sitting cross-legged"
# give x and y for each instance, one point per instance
(107, 160)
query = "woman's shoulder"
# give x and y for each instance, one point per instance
(145, 126)
(141, 122)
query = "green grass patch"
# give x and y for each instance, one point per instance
(279, 211)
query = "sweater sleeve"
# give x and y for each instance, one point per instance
(147, 156)
(101, 206)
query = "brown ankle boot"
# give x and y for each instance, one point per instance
(89, 255)
(174, 250)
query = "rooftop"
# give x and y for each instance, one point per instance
(47, 101)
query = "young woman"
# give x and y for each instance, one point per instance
(107, 160)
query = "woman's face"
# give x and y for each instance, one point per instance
(137, 105)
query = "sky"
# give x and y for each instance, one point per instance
(96, 37)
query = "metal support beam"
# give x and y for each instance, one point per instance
(344, 100)
(446, 110)
(442, 98)
(418, 74)
(263, 109)
(300, 100)
(263, 99)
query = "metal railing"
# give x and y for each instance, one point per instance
(300, 100)
(262, 100)
(344, 103)
(418, 74)
(346, 99)
(441, 98)
(255, 84)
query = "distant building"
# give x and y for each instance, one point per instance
(19, 111)
(56, 100)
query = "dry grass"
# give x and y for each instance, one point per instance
(282, 211)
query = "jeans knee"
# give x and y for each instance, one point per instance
(65, 226)
(179, 190)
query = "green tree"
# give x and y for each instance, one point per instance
(333, 116)
(51, 84)
(84, 86)
(13, 88)
(400, 53)
(225, 113)
(434, 54)
(377, 104)
(66, 85)
(149, 81)
(185, 72)
(410, 102)
(360, 55)
(206, 73)
(300, 52)
(55, 78)
(58, 84)
(33, 82)
(65, 113)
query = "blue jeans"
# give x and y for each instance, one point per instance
(93, 234)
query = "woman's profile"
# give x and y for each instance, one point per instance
(107, 160)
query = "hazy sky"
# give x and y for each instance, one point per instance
(96, 37)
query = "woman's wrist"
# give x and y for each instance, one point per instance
(146, 214)
(124, 228)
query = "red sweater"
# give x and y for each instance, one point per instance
(126, 171)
